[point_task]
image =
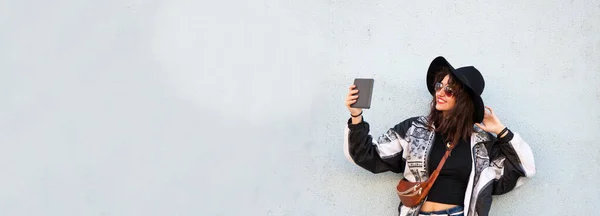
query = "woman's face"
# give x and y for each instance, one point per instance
(443, 100)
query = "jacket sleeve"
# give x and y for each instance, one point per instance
(513, 160)
(380, 155)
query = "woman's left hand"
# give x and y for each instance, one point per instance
(491, 123)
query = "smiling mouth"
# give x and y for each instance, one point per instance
(440, 100)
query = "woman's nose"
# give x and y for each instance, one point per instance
(438, 93)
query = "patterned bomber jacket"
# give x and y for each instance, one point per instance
(499, 165)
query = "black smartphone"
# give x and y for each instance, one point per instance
(365, 92)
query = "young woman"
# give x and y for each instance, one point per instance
(487, 159)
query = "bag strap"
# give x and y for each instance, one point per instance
(435, 173)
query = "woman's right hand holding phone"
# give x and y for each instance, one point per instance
(351, 99)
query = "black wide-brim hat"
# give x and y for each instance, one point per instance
(469, 76)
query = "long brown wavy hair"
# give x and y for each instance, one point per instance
(457, 123)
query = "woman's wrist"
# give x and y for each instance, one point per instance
(502, 132)
(497, 131)
(356, 120)
(356, 115)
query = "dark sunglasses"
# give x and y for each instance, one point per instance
(448, 90)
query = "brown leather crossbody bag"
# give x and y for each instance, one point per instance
(413, 193)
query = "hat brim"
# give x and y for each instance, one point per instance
(435, 67)
(432, 71)
(477, 106)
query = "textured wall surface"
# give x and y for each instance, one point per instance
(158, 107)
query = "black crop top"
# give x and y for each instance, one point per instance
(451, 184)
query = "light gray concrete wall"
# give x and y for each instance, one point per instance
(160, 107)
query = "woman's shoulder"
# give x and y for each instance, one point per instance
(481, 135)
(419, 121)
(412, 119)
(416, 124)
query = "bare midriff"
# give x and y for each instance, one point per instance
(429, 206)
